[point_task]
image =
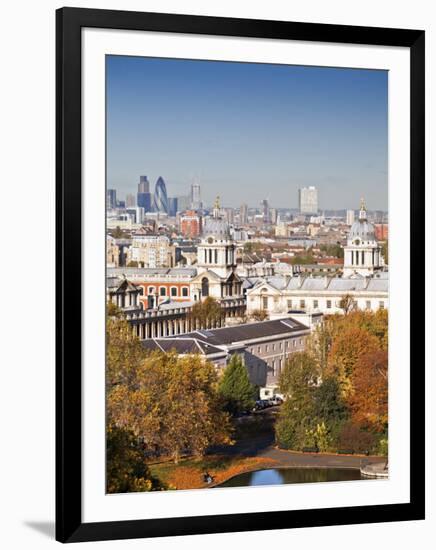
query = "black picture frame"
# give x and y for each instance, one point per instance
(69, 525)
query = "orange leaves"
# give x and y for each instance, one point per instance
(189, 474)
(170, 402)
(369, 402)
(347, 347)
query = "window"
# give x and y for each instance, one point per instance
(264, 302)
(329, 304)
(381, 305)
(163, 291)
(151, 290)
(266, 347)
(204, 287)
(185, 291)
(302, 304)
(315, 304)
(280, 345)
(295, 343)
(258, 349)
(368, 304)
(289, 304)
(173, 291)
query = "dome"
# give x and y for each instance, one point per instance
(363, 230)
(217, 227)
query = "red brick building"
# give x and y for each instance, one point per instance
(191, 224)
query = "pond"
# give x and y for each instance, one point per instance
(281, 476)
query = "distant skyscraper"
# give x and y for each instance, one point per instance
(350, 217)
(195, 196)
(143, 185)
(130, 201)
(243, 214)
(230, 215)
(273, 213)
(111, 198)
(308, 200)
(143, 198)
(265, 210)
(172, 206)
(160, 196)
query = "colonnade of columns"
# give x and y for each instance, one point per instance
(160, 328)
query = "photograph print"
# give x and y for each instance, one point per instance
(247, 274)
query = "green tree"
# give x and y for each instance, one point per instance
(298, 382)
(328, 405)
(235, 388)
(299, 377)
(318, 437)
(126, 470)
(291, 427)
(305, 258)
(335, 250)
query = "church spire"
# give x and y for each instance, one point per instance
(362, 211)
(216, 207)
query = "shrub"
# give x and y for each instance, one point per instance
(353, 437)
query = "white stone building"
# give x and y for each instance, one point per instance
(216, 263)
(282, 294)
(362, 254)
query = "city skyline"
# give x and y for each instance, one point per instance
(199, 121)
(208, 206)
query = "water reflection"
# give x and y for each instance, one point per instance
(280, 476)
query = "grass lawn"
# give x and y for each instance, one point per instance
(188, 473)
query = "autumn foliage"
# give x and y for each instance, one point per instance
(369, 400)
(168, 403)
(337, 390)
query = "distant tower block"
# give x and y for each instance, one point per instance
(195, 197)
(308, 200)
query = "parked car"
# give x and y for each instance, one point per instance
(276, 400)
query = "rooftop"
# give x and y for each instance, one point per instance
(248, 331)
(181, 345)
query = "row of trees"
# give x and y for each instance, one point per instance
(337, 390)
(163, 404)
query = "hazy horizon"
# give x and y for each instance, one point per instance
(248, 131)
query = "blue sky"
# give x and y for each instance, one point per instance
(248, 131)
